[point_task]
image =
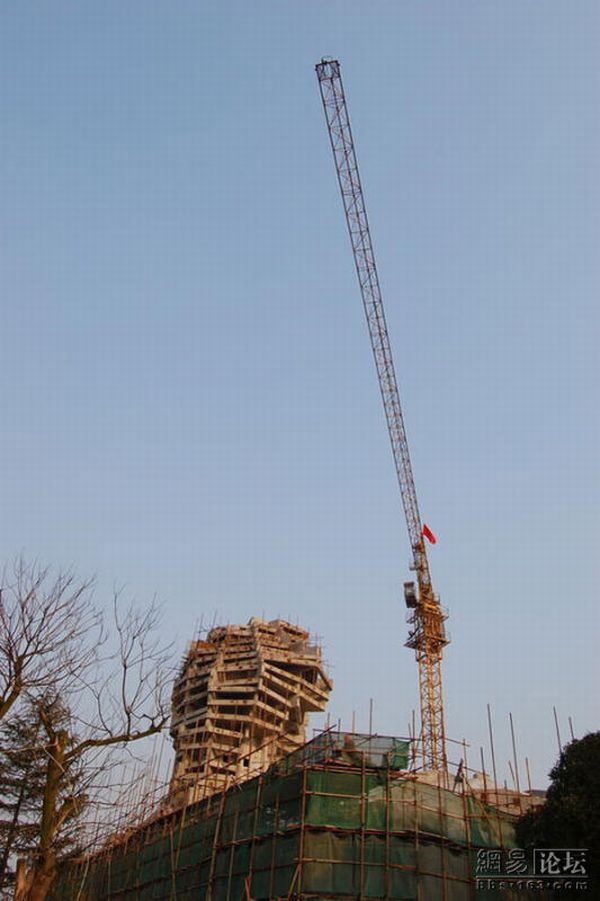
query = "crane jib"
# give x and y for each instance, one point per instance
(427, 635)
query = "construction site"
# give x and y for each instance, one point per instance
(253, 809)
(345, 816)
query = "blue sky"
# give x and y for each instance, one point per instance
(188, 399)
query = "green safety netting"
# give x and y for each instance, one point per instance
(309, 828)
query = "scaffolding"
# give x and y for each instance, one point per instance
(341, 818)
(241, 702)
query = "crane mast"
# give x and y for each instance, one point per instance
(427, 636)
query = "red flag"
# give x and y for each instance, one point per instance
(428, 534)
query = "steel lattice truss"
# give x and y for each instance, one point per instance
(427, 636)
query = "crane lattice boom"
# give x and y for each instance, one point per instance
(427, 637)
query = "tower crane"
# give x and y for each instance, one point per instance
(427, 634)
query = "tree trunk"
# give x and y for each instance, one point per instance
(12, 831)
(34, 884)
(43, 872)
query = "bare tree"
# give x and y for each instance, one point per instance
(45, 626)
(111, 690)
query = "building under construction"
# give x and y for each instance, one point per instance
(254, 813)
(343, 817)
(241, 702)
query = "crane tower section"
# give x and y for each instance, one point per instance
(427, 636)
